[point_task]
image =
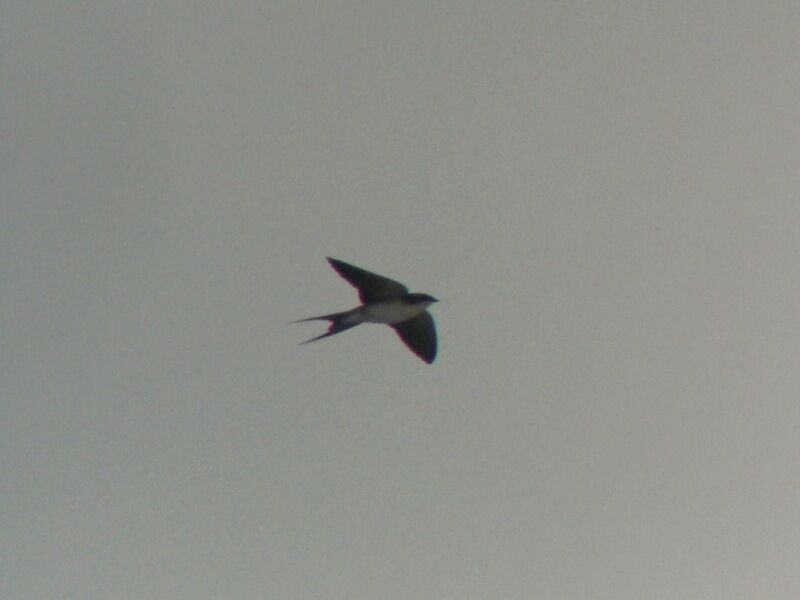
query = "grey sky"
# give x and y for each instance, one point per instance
(604, 198)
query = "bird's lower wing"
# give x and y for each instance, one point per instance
(419, 334)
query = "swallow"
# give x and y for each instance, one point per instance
(384, 300)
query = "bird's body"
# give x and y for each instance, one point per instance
(385, 301)
(391, 312)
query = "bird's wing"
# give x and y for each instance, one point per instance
(419, 334)
(371, 287)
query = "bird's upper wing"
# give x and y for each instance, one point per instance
(371, 287)
(419, 334)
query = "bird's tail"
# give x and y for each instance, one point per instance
(339, 323)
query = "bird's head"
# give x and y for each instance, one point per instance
(421, 299)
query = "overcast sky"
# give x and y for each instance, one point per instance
(602, 195)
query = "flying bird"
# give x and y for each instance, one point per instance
(384, 300)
